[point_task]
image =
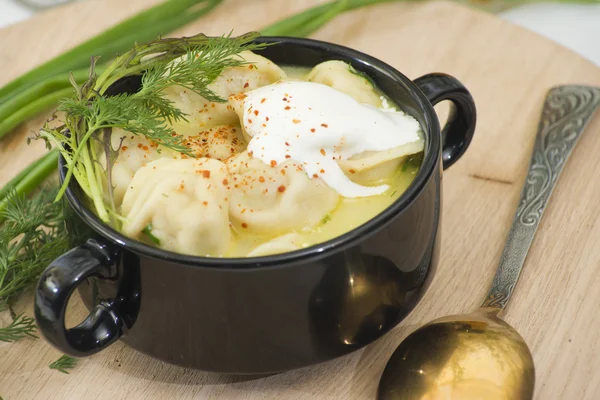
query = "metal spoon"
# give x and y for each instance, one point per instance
(477, 355)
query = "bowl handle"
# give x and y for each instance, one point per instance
(458, 131)
(101, 327)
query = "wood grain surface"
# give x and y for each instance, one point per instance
(508, 71)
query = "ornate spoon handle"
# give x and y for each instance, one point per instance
(567, 110)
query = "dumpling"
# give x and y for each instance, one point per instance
(276, 199)
(135, 152)
(219, 142)
(281, 244)
(185, 204)
(342, 76)
(259, 72)
(203, 113)
(372, 166)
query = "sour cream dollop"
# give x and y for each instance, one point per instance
(317, 126)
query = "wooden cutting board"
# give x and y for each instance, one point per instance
(508, 71)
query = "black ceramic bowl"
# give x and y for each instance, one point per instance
(273, 313)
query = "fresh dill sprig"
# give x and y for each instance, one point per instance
(31, 237)
(190, 62)
(63, 364)
(20, 327)
(200, 66)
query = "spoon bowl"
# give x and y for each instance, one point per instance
(467, 357)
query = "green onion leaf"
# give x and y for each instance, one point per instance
(148, 232)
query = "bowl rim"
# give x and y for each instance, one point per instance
(332, 246)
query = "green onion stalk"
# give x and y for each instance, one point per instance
(145, 26)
